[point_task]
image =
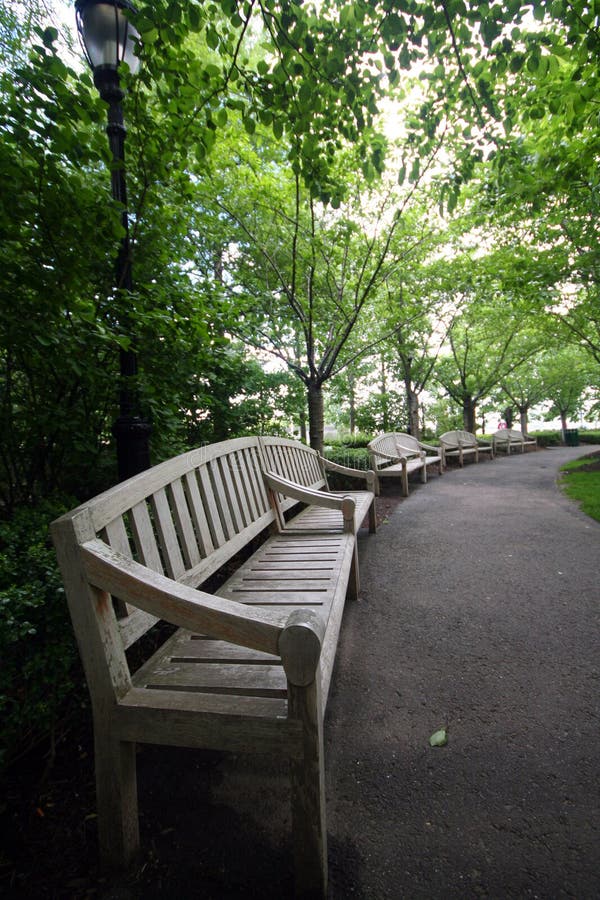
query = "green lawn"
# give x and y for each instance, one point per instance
(582, 484)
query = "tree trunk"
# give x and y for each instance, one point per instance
(523, 410)
(384, 397)
(315, 416)
(563, 421)
(508, 416)
(469, 407)
(412, 402)
(352, 400)
(303, 431)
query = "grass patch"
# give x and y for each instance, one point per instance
(581, 482)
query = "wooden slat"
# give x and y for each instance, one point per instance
(169, 544)
(221, 499)
(184, 525)
(201, 527)
(219, 678)
(135, 625)
(144, 538)
(248, 513)
(244, 481)
(256, 479)
(236, 503)
(210, 507)
(115, 535)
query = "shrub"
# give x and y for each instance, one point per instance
(349, 440)
(41, 681)
(354, 457)
(589, 437)
(547, 438)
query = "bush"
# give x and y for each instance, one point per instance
(589, 437)
(350, 440)
(354, 457)
(41, 681)
(547, 438)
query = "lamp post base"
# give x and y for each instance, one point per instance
(133, 445)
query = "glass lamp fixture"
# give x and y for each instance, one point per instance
(107, 35)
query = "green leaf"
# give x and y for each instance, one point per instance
(439, 738)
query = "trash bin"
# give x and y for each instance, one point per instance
(572, 437)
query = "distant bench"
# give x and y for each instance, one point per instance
(508, 439)
(248, 668)
(463, 444)
(396, 455)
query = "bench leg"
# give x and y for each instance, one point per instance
(353, 589)
(116, 795)
(373, 517)
(404, 483)
(309, 829)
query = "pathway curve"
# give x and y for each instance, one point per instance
(480, 613)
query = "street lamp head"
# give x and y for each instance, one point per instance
(107, 35)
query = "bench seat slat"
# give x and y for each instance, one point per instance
(219, 678)
(193, 646)
(207, 721)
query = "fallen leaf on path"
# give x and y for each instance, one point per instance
(439, 738)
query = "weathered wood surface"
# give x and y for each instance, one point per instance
(249, 667)
(397, 455)
(508, 439)
(463, 444)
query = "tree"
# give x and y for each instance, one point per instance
(565, 377)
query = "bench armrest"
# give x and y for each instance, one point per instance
(385, 455)
(186, 607)
(278, 485)
(367, 475)
(409, 451)
(435, 450)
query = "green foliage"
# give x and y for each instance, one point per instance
(547, 438)
(588, 436)
(41, 682)
(356, 440)
(354, 457)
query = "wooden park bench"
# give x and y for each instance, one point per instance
(396, 455)
(463, 444)
(509, 438)
(248, 668)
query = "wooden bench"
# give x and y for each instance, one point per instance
(248, 668)
(396, 455)
(509, 438)
(463, 444)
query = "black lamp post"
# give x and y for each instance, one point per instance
(108, 39)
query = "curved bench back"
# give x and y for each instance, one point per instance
(183, 518)
(392, 444)
(452, 438)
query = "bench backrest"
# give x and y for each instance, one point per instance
(295, 461)
(388, 444)
(458, 437)
(508, 434)
(183, 518)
